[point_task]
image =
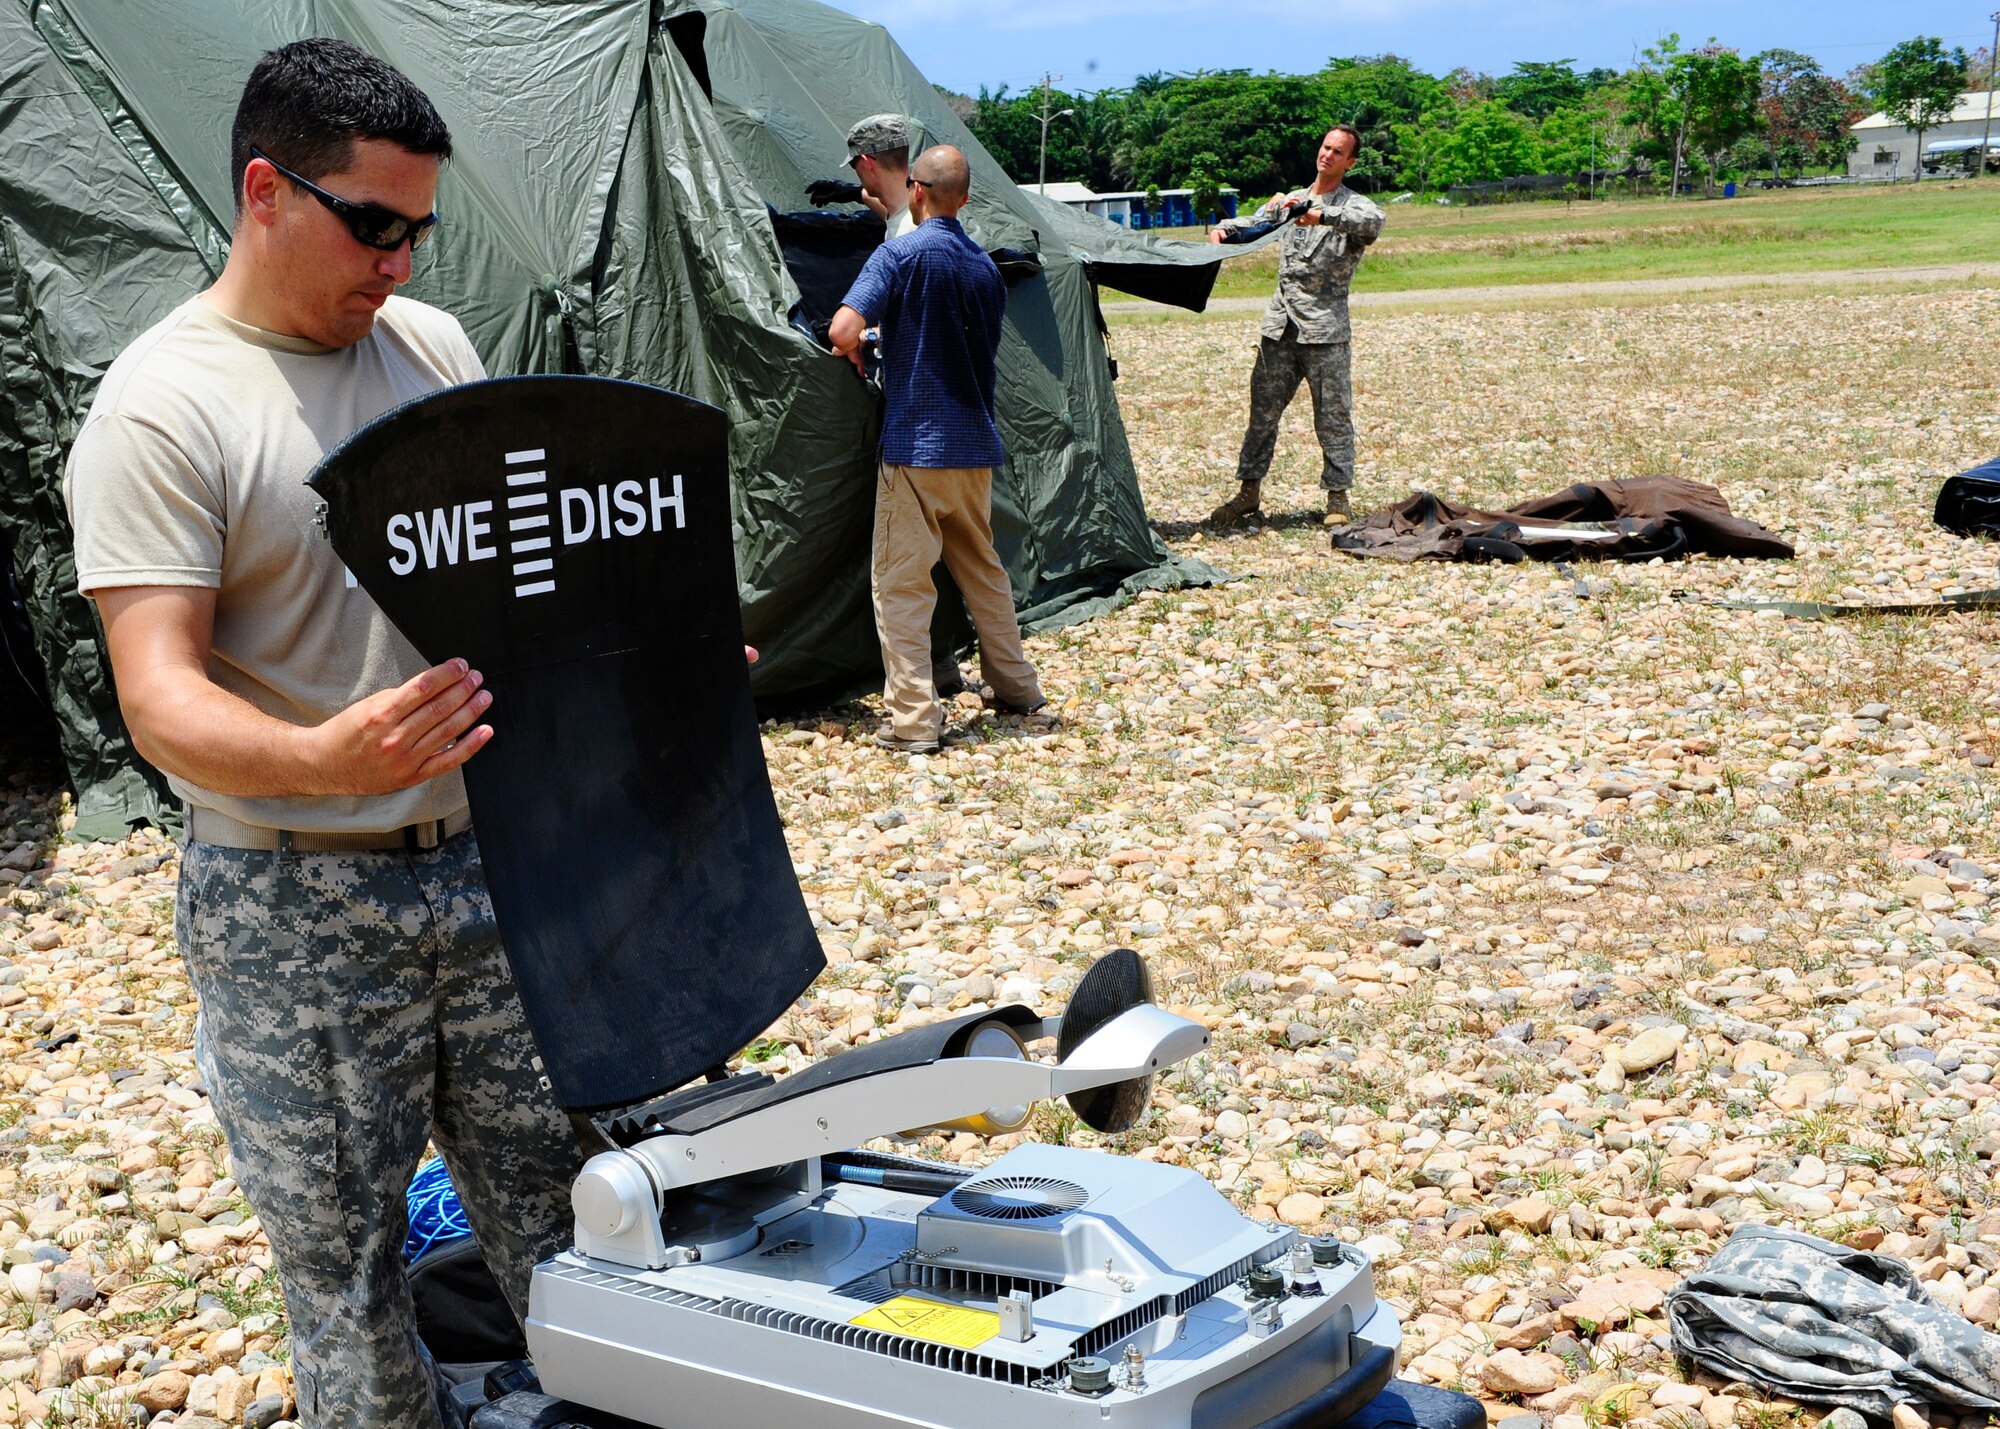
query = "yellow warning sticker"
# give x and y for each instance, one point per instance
(941, 1324)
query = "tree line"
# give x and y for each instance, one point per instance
(1679, 116)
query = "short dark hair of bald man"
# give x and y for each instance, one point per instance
(942, 170)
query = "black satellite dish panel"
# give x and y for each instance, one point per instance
(570, 537)
(1117, 982)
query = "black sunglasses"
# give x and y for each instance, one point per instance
(370, 223)
(910, 183)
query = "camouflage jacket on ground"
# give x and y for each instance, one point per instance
(1316, 265)
(1816, 1321)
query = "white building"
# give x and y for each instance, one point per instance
(1886, 148)
(1075, 195)
(1129, 209)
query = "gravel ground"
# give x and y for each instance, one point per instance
(1548, 927)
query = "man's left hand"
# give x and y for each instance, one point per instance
(1309, 219)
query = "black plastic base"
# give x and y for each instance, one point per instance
(1400, 1405)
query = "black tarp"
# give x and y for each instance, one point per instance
(1969, 503)
(607, 213)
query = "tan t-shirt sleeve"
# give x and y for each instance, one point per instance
(440, 339)
(144, 515)
(473, 369)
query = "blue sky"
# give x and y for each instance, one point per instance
(1101, 44)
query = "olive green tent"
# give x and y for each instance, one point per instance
(625, 200)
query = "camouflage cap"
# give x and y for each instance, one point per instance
(877, 134)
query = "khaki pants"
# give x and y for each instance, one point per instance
(922, 514)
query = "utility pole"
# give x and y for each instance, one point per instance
(1992, 61)
(1593, 159)
(1042, 175)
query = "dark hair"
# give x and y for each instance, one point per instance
(1353, 136)
(307, 102)
(892, 158)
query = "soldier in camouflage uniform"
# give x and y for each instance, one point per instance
(1305, 335)
(355, 998)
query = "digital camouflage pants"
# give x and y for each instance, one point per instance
(352, 1006)
(1326, 369)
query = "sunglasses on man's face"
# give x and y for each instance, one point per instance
(909, 183)
(370, 223)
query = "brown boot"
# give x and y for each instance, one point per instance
(1338, 512)
(1244, 503)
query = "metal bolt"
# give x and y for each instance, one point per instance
(1304, 1274)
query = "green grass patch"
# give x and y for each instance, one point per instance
(1785, 231)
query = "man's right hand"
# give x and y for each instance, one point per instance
(1218, 235)
(402, 737)
(161, 639)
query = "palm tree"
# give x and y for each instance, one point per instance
(1150, 113)
(1100, 124)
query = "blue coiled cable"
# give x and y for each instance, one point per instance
(435, 1213)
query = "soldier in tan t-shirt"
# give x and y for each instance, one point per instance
(355, 998)
(188, 478)
(878, 150)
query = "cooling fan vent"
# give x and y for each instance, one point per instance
(1018, 1198)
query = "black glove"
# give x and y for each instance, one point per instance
(825, 191)
(1277, 220)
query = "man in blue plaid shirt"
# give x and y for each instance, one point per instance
(938, 301)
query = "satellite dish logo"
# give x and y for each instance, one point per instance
(531, 500)
(444, 535)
